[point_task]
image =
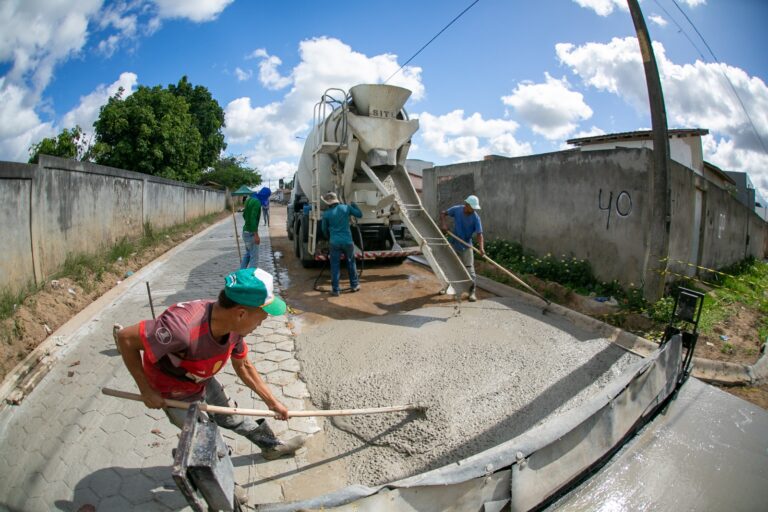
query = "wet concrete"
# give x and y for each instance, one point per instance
(486, 372)
(707, 451)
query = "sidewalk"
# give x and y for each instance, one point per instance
(67, 445)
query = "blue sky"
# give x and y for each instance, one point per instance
(509, 77)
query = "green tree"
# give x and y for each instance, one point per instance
(231, 172)
(70, 143)
(209, 119)
(151, 131)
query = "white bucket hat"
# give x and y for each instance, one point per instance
(330, 198)
(473, 202)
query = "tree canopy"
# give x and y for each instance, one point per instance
(70, 143)
(208, 117)
(231, 172)
(174, 133)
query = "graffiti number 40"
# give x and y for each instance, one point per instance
(623, 205)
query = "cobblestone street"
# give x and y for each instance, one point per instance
(67, 445)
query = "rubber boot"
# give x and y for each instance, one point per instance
(116, 329)
(271, 447)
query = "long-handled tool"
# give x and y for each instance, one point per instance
(506, 271)
(216, 409)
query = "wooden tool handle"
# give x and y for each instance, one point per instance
(506, 271)
(215, 409)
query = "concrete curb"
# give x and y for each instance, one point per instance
(714, 372)
(31, 370)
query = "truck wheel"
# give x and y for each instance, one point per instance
(289, 229)
(296, 239)
(307, 261)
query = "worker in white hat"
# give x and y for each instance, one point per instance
(466, 224)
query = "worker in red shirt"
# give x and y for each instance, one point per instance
(178, 355)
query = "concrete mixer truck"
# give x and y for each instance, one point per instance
(357, 149)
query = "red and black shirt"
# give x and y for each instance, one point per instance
(180, 354)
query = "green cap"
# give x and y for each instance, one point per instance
(253, 287)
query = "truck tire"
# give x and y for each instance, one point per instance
(307, 261)
(289, 229)
(296, 239)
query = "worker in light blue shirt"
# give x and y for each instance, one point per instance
(466, 223)
(335, 226)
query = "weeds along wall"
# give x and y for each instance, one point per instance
(62, 206)
(596, 205)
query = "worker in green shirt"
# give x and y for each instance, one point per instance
(251, 240)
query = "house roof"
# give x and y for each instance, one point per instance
(638, 135)
(719, 172)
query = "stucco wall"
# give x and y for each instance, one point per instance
(16, 265)
(595, 205)
(61, 206)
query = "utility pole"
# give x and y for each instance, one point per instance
(660, 198)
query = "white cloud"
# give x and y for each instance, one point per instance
(268, 133)
(242, 75)
(87, 111)
(603, 7)
(271, 173)
(455, 137)
(36, 35)
(269, 76)
(194, 10)
(658, 20)
(552, 109)
(696, 95)
(20, 126)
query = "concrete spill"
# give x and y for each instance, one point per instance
(485, 376)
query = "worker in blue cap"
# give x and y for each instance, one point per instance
(466, 224)
(179, 354)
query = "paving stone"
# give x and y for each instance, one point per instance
(263, 347)
(114, 423)
(105, 482)
(173, 499)
(137, 488)
(97, 457)
(274, 468)
(290, 365)
(282, 378)
(304, 425)
(84, 496)
(115, 503)
(286, 346)
(267, 492)
(277, 338)
(277, 356)
(35, 505)
(265, 367)
(296, 389)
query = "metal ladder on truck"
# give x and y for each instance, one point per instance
(441, 257)
(323, 147)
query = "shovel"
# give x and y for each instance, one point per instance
(506, 271)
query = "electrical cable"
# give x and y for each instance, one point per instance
(733, 89)
(430, 41)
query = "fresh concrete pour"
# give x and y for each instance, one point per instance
(486, 372)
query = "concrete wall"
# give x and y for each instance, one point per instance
(61, 206)
(595, 205)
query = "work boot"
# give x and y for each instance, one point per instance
(287, 448)
(241, 495)
(116, 329)
(356, 288)
(271, 447)
(472, 297)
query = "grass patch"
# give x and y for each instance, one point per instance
(10, 299)
(740, 285)
(88, 269)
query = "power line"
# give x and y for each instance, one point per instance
(433, 38)
(733, 89)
